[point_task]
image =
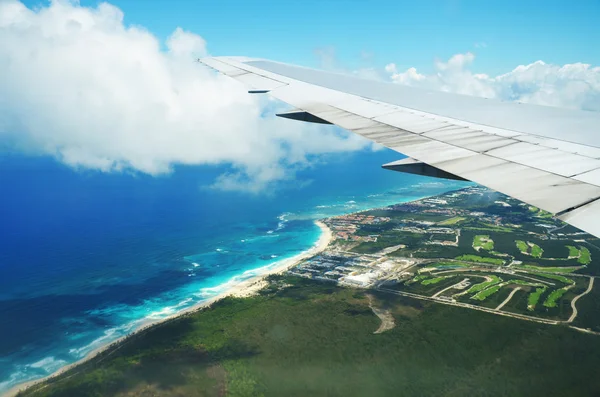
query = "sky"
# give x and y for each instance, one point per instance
(113, 86)
(409, 33)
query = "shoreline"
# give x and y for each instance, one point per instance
(242, 289)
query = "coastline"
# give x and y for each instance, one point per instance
(242, 289)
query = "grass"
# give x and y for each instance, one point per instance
(417, 279)
(316, 339)
(490, 228)
(449, 265)
(522, 246)
(484, 242)
(585, 257)
(525, 283)
(553, 297)
(556, 277)
(452, 221)
(482, 295)
(434, 280)
(536, 251)
(534, 297)
(573, 251)
(565, 269)
(481, 259)
(484, 285)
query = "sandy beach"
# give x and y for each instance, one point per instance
(242, 289)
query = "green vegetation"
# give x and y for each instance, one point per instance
(585, 257)
(481, 286)
(566, 269)
(536, 251)
(483, 242)
(534, 297)
(522, 246)
(315, 339)
(486, 292)
(452, 221)
(554, 296)
(434, 280)
(529, 248)
(491, 228)
(481, 259)
(416, 279)
(556, 277)
(573, 252)
(525, 283)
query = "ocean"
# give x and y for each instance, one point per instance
(87, 257)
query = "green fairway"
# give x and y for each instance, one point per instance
(553, 297)
(573, 251)
(452, 221)
(302, 338)
(483, 242)
(522, 246)
(481, 259)
(434, 280)
(484, 285)
(534, 297)
(536, 251)
(585, 257)
(566, 269)
(556, 277)
(486, 292)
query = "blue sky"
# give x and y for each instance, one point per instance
(86, 90)
(409, 33)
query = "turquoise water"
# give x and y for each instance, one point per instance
(88, 257)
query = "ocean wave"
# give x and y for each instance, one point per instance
(283, 219)
(48, 364)
(17, 377)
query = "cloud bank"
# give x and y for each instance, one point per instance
(574, 85)
(79, 85)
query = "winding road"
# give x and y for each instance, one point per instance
(587, 291)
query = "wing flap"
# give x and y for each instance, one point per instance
(558, 176)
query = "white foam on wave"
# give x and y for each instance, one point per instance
(283, 219)
(17, 377)
(195, 264)
(48, 364)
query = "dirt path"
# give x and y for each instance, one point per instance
(450, 287)
(387, 320)
(587, 291)
(508, 298)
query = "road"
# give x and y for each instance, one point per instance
(450, 287)
(469, 306)
(587, 291)
(514, 291)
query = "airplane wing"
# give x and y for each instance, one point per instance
(547, 157)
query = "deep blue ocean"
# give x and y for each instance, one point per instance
(86, 256)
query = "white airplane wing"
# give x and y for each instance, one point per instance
(547, 157)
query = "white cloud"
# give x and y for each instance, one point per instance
(79, 85)
(573, 85)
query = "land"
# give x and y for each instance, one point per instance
(471, 248)
(442, 296)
